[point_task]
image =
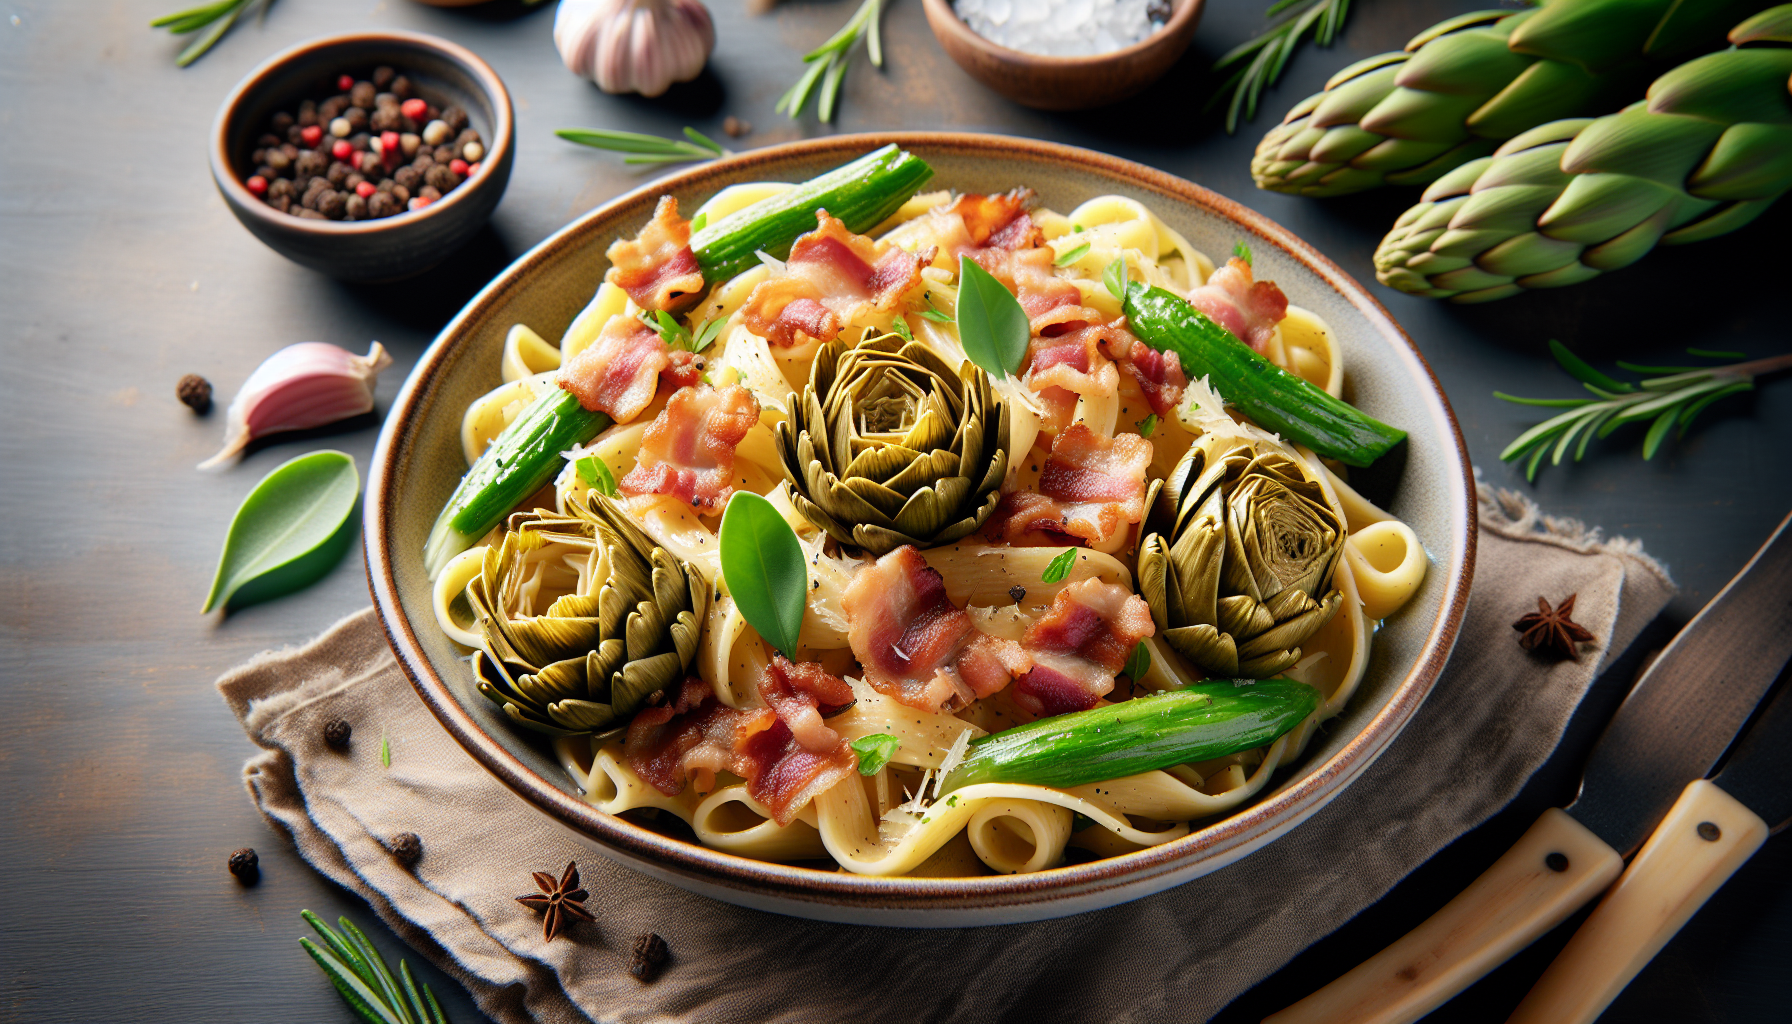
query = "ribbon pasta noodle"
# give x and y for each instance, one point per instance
(894, 820)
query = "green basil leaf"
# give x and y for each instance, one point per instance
(1071, 255)
(291, 529)
(763, 565)
(1138, 664)
(1147, 425)
(1059, 567)
(875, 751)
(1243, 252)
(597, 475)
(992, 326)
(1114, 277)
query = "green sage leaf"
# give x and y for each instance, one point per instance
(992, 326)
(1243, 252)
(597, 475)
(1071, 255)
(1059, 567)
(1138, 664)
(291, 529)
(763, 566)
(1114, 277)
(875, 751)
(1147, 425)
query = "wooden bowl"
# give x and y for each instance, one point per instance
(367, 250)
(1065, 83)
(419, 461)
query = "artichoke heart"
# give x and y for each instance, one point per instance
(1238, 557)
(888, 445)
(625, 630)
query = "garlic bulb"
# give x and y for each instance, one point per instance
(301, 386)
(634, 45)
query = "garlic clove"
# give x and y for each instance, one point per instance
(299, 387)
(634, 45)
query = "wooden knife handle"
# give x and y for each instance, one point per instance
(1555, 868)
(1699, 845)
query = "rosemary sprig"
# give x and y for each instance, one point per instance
(647, 149)
(360, 974)
(827, 63)
(1671, 399)
(1261, 59)
(219, 16)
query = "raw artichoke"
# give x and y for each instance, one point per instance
(1464, 85)
(889, 446)
(1707, 152)
(1238, 558)
(596, 655)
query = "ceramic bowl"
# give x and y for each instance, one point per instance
(418, 463)
(370, 250)
(1064, 83)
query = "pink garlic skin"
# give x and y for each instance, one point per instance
(299, 387)
(634, 45)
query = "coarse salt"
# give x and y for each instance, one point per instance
(1064, 28)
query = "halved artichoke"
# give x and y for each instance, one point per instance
(596, 655)
(1238, 557)
(889, 446)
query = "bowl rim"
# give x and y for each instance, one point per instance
(1237, 834)
(947, 20)
(497, 151)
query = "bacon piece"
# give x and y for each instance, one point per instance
(802, 693)
(1028, 274)
(1078, 646)
(697, 736)
(1063, 366)
(687, 453)
(620, 372)
(686, 369)
(1159, 374)
(1249, 310)
(998, 222)
(657, 268)
(831, 278)
(1091, 488)
(915, 645)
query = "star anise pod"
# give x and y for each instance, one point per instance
(1552, 632)
(558, 901)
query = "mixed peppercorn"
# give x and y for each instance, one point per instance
(375, 149)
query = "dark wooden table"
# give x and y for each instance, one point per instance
(121, 270)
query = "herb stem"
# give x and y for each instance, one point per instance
(647, 149)
(1269, 50)
(827, 63)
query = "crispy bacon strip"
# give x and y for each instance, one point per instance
(1078, 646)
(998, 222)
(802, 693)
(1092, 488)
(1159, 374)
(656, 268)
(687, 453)
(915, 645)
(1063, 366)
(832, 277)
(1249, 310)
(620, 372)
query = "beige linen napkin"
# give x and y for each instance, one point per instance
(1178, 956)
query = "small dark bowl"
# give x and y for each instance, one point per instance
(369, 250)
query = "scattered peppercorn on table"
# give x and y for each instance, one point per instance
(123, 813)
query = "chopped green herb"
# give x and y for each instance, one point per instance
(1078, 228)
(900, 327)
(1070, 256)
(1138, 664)
(934, 314)
(952, 801)
(1115, 279)
(1147, 425)
(706, 335)
(875, 751)
(699, 222)
(1059, 567)
(596, 475)
(1243, 252)
(385, 751)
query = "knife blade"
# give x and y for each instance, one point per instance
(1712, 830)
(1679, 718)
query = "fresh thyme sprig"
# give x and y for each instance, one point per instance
(1672, 399)
(647, 149)
(827, 63)
(220, 16)
(1265, 55)
(360, 974)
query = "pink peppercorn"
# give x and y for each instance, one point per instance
(419, 202)
(366, 189)
(391, 148)
(345, 83)
(472, 169)
(343, 149)
(311, 134)
(258, 185)
(458, 166)
(414, 109)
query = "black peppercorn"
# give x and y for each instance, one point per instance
(650, 954)
(386, 119)
(356, 118)
(407, 177)
(383, 76)
(1018, 593)
(332, 204)
(370, 163)
(349, 183)
(355, 208)
(295, 135)
(402, 194)
(307, 113)
(277, 159)
(328, 110)
(338, 173)
(455, 117)
(281, 204)
(245, 866)
(401, 87)
(381, 204)
(280, 187)
(310, 214)
(461, 140)
(337, 732)
(309, 165)
(406, 848)
(195, 392)
(362, 95)
(270, 139)
(429, 192)
(441, 177)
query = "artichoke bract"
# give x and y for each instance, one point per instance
(1466, 84)
(1707, 152)
(1238, 558)
(594, 656)
(888, 445)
